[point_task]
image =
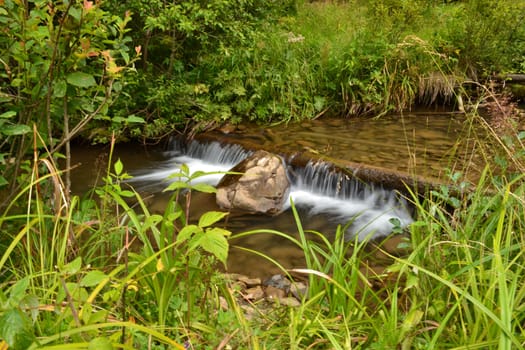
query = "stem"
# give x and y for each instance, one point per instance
(125, 287)
(50, 77)
(188, 290)
(68, 151)
(86, 119)
(70, 302)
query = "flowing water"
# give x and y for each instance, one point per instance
(422, 144)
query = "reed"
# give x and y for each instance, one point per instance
(63, 283)
(460, 285)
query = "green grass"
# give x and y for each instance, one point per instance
(460, 285)
(106, 272)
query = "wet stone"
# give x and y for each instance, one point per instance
(262, 186)
(279, 282)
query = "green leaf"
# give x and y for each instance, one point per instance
(177, 185)
(411, 281)
(3, 181)
(197, 174)
(60, 88)
(7, 114)
(100, 343)
(152, 220)
(204, 188)
(92, 278)
(134, 119)
(127, 194)
(16, 329)
(211, 217)
(125, 56)
(76, 13)
(31, 303)
(18, 129)
(98, 317)
(186, 233)
(215, 243)
(184, 169)
(81, 79)
(72, 267)
(18, 291)
(118, 167)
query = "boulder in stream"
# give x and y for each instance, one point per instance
(261, 187)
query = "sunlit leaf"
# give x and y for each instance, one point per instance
(127, 194)
(215, 243)
(204, 188)
(211, 217)
(411, 320)
(197, 174)
(177, 185)
(184, 169)
(186, 232)
(160, 265)
(118, 167)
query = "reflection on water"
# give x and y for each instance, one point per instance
(420, 144)
(426, 145)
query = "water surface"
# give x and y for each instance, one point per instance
(427, 145)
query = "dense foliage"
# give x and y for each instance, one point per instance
(101, 273)
(174, 64)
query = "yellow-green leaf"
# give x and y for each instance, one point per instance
(210, 218)
(215, 243)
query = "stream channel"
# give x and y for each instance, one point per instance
(418, 145)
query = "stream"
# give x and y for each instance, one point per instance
(426, 144)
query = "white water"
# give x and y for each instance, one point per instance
(367, 209)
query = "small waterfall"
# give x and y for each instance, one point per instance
(370, 209)
(208, 157)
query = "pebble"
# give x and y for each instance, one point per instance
(272, 292)
(289, 301)
(249, 282)
(299, 290)
(255, 293)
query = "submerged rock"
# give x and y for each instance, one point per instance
(262, 185)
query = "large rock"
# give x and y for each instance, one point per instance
(263, 186)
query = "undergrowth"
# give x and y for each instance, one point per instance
(106, 272)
